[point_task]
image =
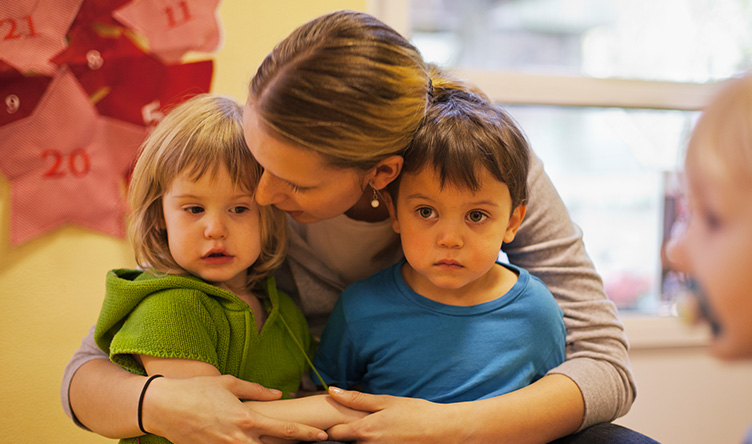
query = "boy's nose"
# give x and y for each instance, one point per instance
(449, 236)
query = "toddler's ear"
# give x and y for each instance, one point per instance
(514, 223)
(387, 198)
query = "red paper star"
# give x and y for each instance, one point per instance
(65, 164)
(32, 31)
(97, 11)
(128, 84)
(174, 27)
(19, 94)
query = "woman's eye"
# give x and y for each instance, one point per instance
(297, 189)
(425, 212)
(476, 216)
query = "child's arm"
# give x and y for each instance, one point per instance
(319, 411)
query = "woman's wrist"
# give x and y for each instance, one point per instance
(141, 398)
(152, 392)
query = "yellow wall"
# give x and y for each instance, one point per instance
(52, 287)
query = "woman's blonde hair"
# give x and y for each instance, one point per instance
(197, 137)
(722, 137)
(345, 85)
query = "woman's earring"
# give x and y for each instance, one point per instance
(375, 199)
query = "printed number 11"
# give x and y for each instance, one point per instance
(173, 19)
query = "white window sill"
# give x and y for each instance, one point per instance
(650, 332)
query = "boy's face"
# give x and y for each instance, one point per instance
(716, 250)
(451, 237)
(212, 228)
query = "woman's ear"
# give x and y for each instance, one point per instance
(514, 223)
(385, 172)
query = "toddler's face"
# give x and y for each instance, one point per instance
(451, 236)
(212, 228)
(716, 249)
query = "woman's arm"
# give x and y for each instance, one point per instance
(318, 411)
(539, 413)
(550, 246)
(104, 397)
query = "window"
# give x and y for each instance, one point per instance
(607, 92)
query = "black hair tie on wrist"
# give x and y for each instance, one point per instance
(141, 402)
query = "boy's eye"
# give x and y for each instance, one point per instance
(476, 216)
(425, 212)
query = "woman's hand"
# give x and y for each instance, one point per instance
(207, 410)
(545, 410)
(396, 420)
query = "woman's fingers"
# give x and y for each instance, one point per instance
(359, 400)
(249, 390)
(206, 410)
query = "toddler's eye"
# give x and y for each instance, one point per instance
(712, 221)
(476, 216)
(240, 210)
(194, 210)
(426, 212)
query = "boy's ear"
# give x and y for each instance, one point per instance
(514, 223)
(387, 198)
(385, 171)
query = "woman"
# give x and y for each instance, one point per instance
(329, 114)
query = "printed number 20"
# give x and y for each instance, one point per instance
(78, 163)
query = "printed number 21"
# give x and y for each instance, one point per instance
(14, 33)
(175, 18)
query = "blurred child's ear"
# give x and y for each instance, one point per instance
(387, 198)
(514, 223)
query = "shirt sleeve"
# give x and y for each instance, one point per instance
(86, 352)
(549, 245)
(167, 324)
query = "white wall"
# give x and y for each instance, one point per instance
(685, 396)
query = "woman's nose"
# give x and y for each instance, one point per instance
(268, 191)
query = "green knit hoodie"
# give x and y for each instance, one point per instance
(174, 316)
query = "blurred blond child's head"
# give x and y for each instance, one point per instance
(716, 249)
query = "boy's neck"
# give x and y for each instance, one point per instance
(489, 287)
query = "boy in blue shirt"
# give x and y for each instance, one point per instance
(450, 323)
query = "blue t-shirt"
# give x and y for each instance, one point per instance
(387, 339)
